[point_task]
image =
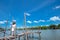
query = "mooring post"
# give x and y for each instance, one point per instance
(18, 37)
(26, 36)
(39, 36)
(32, 33)
(4, 33)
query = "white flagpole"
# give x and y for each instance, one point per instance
(25, 25)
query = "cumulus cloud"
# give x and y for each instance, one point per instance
(55, 18)
(41, 20)
(21, 27)
(46, 25)
(6, 21)
(36, 21)
(29, 22)
(57, 7)
(14, 20)
(2, 22)
(10, 22)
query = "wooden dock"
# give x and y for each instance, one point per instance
(18, 36)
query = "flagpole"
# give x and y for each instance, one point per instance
(25, 26)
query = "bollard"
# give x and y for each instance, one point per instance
(19, 38)
(39, 36)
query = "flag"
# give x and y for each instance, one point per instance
(27, 14)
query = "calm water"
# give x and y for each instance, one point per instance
(45, 35)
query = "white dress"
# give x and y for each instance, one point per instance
(13, 27)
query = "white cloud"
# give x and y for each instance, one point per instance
(1, 22)
(4, 21)
(20, 27)
(36, 21)
(41, 20)
(14, 20)
(27, 14)
(29, 22)
(23, 26)
(55, 18)
(46, 25)
(57, 7)
(10, 22)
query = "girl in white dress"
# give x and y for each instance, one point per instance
(13, 28)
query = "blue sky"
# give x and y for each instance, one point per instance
(41, 12)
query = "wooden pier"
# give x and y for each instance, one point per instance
(18, 36)
(13, 35)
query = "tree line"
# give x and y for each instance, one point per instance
(52, 26)
(1, 29)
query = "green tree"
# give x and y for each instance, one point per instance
(52, 26)
(58, 26)
(44, 27)
(1, 29)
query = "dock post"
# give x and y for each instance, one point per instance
(19, 38)
(4, 33)
(26, 36)
(39, 36)
(32, 38)
(32, 35)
